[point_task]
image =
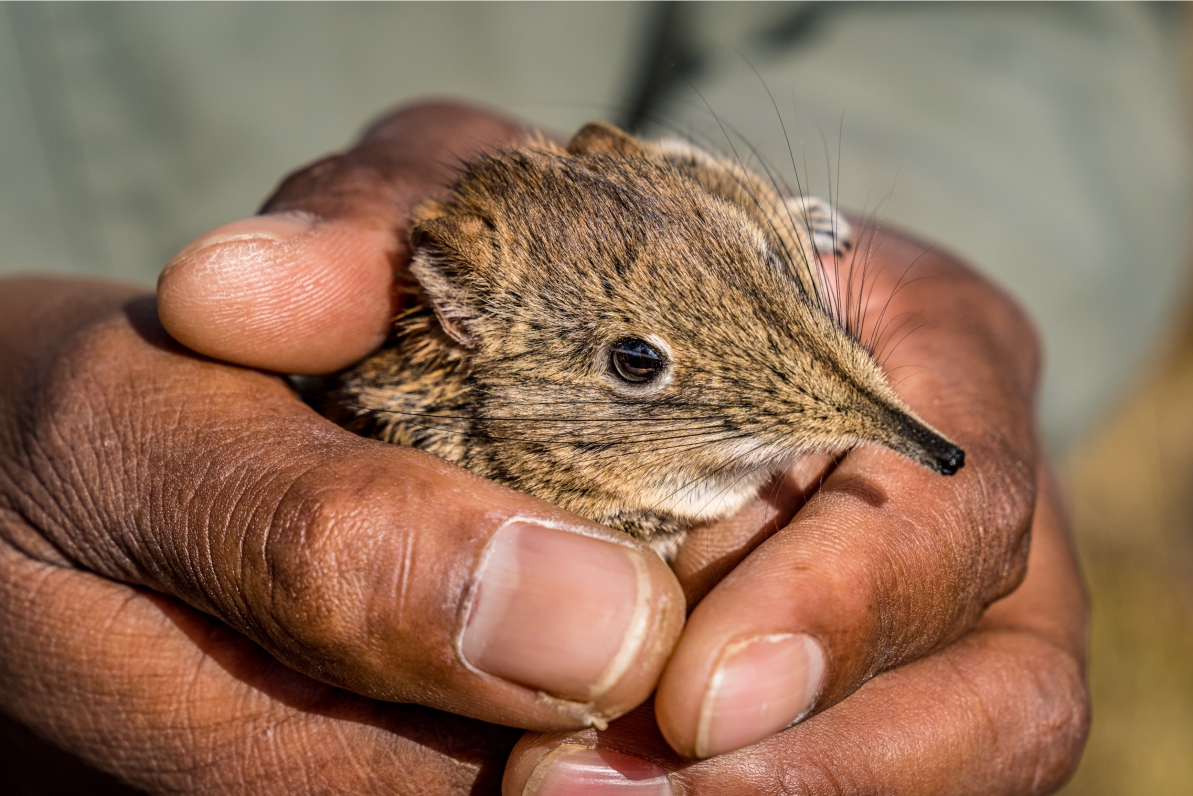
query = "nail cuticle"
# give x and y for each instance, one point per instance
(732, 715)
(818, 692)
(539, 773)
(504, 586)
(635, 634)
(575, 764)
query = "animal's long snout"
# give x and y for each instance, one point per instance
(926, 446)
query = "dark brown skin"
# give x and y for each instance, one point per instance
(1002, 711)
(110, 435)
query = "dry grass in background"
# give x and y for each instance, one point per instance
(1131, 491)
(1131, 488)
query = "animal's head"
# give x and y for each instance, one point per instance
(624, 324)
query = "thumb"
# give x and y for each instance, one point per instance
(377, 568)
(310, 286)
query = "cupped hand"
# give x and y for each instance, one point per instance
(145, 488)
(887, 560)
(1003, 710)
(884, 565)
(866, 614)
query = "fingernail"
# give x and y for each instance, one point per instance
(268, 228)
(556, 611)
(760, 686)
(574, 770)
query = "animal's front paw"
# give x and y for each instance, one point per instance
(830, 233)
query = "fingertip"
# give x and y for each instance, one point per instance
(575, 768)
(282, 292)
(660, 626)
(578, 612)
(759, 686)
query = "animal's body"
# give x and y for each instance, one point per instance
(632, 330)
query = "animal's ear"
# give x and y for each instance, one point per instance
(449, 250)
(599, 138)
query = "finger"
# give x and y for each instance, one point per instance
(287, 293)
(168, 700)
(709, 552)
(310, 286)
(1003, 711)
(887, 561)
(373, 567)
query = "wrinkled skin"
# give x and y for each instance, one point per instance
(145, 489)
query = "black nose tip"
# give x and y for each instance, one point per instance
(950, 461)
(929, 448)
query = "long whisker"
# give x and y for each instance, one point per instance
(812, 277)
(568, 420)
(747, 189)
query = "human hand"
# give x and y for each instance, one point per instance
(246, 299)
(1003, 710)
(131, 468)
(888, 567)
(885, 564)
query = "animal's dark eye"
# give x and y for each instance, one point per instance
(635, 360)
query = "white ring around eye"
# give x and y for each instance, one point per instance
(645, 388)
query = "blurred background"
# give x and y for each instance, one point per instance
(1050, 145)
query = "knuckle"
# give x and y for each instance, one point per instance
(1034, 715)
(308, 181)
(1062, 721)
(310, 582)
(333, 187)
(334, 599)
(1027, 342)
(1002, 516)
